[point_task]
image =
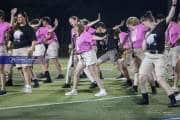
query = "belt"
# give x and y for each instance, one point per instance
(155, 52)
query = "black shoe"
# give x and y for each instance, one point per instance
(157, 84)
(101, 76)
(48, 80)
(129, 82)
(135, 89)
(93, 85)
(66, 86)
(9, 82)
(36, 84)
(154, 90)
(119, 77)
(145, 99)
(172, 101)
(41, 75)
(60, 76)
(2, 92)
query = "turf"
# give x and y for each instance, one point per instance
(119, 108)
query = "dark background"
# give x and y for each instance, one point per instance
(112, 11)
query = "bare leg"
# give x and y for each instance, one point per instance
(27, 75)
(123, 68)
(177, 76)
(69, 70)
(58, 65)
(78, 69)
(93, 69)
(2, 77)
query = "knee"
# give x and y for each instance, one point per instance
(76, 73)
(142, 78)
(25, 69)
(177, 68)
(1, 72)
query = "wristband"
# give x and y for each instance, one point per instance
(174, 5)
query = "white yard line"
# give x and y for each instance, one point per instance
(62, 103)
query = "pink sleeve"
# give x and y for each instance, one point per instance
(122, 37)
(8, 26)
(168, 36)
(143, 28)
(72, 33)
(39, 36)
(91, 30)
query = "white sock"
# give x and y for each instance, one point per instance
(28, 86)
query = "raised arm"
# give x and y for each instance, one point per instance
(94, 22)
(37, 25)
(118, 26)
(13, 12)
(98, 38)
(172, 11)
(56, 23)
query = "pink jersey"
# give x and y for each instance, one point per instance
(40, 34)
(73, 36)
(123, 37)
(138, 35)
(172, 33)
(91, 31)
(4, 27)
(84, 42)
(43, 33)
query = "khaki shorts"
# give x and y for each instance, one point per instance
(151, 62)
(21, 52)
(3, 51)
(139, 53)
(52, 50)
(88, 58)
(8, 67)
(111, 55)
(126, 57)
(39, 50)
(174, 55)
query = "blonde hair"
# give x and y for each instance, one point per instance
(80, 28)
(132, 21)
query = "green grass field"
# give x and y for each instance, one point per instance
(49, 102)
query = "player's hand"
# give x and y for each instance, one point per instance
(30, 52)
(122, 23)
(9, 45)
(56, 23)
(99, 17)
(13, 11)
(174, 2)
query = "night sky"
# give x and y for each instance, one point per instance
(113, 11)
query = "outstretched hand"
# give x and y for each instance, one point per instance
(122, 23)
(99, 17)
(56, 23)
(174, 2)
(13, 11)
